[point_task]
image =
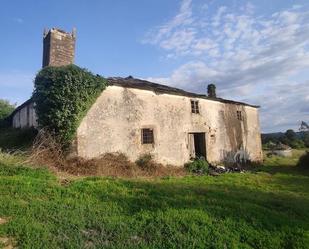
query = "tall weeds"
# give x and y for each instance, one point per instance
(46, 151)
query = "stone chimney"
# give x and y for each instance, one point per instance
(211, 90)
(58, 47)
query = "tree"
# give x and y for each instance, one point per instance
(306, 139)
(6, 108)
(290, 134)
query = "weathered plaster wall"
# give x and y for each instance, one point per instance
(25, 117)
(114, 123)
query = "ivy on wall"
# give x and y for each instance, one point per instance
(63, 95)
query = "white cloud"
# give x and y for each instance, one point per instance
(216, 20)
(242, 53)
(184, 17)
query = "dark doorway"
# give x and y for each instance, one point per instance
(197, 144)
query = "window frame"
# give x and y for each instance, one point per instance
(195, 108)
(239, 115)
(147, 136)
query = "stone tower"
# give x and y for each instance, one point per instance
(58, 47)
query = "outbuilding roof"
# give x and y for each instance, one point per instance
(29, 101)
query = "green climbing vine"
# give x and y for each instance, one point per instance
(62, 97)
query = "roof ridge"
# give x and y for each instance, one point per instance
(131, 82)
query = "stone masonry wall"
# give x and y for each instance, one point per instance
(58, 48)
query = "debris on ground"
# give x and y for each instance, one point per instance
(216, 170)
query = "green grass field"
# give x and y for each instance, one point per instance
(267, 208)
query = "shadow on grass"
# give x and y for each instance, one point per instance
(290, 170)
(256, 217)
(222, 200)
(230, 211)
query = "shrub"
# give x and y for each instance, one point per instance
(144, 160)
(306, 139)
(5, 108)
(303, 161)
(198, 166)
(13, 139)
(63, 95)
(269, 146)
(5, 123)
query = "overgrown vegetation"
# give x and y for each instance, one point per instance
(266, 209)
(198, 166)
(16, 139)
(287, 165)
(144, 160)
(303, 162)
(63, 95)
(6, 108)
(46, 151)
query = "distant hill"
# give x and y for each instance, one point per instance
(296, 140)
(277, 135)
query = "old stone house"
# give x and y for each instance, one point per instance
(137, 117)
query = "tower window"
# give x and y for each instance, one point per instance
(239, 115)
(147, 136)
(194, 106)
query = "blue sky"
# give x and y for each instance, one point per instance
(254, 51)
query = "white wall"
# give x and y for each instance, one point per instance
(114, 123)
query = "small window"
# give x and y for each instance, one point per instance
(147, 136)
(239, 115)
(194, 106)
